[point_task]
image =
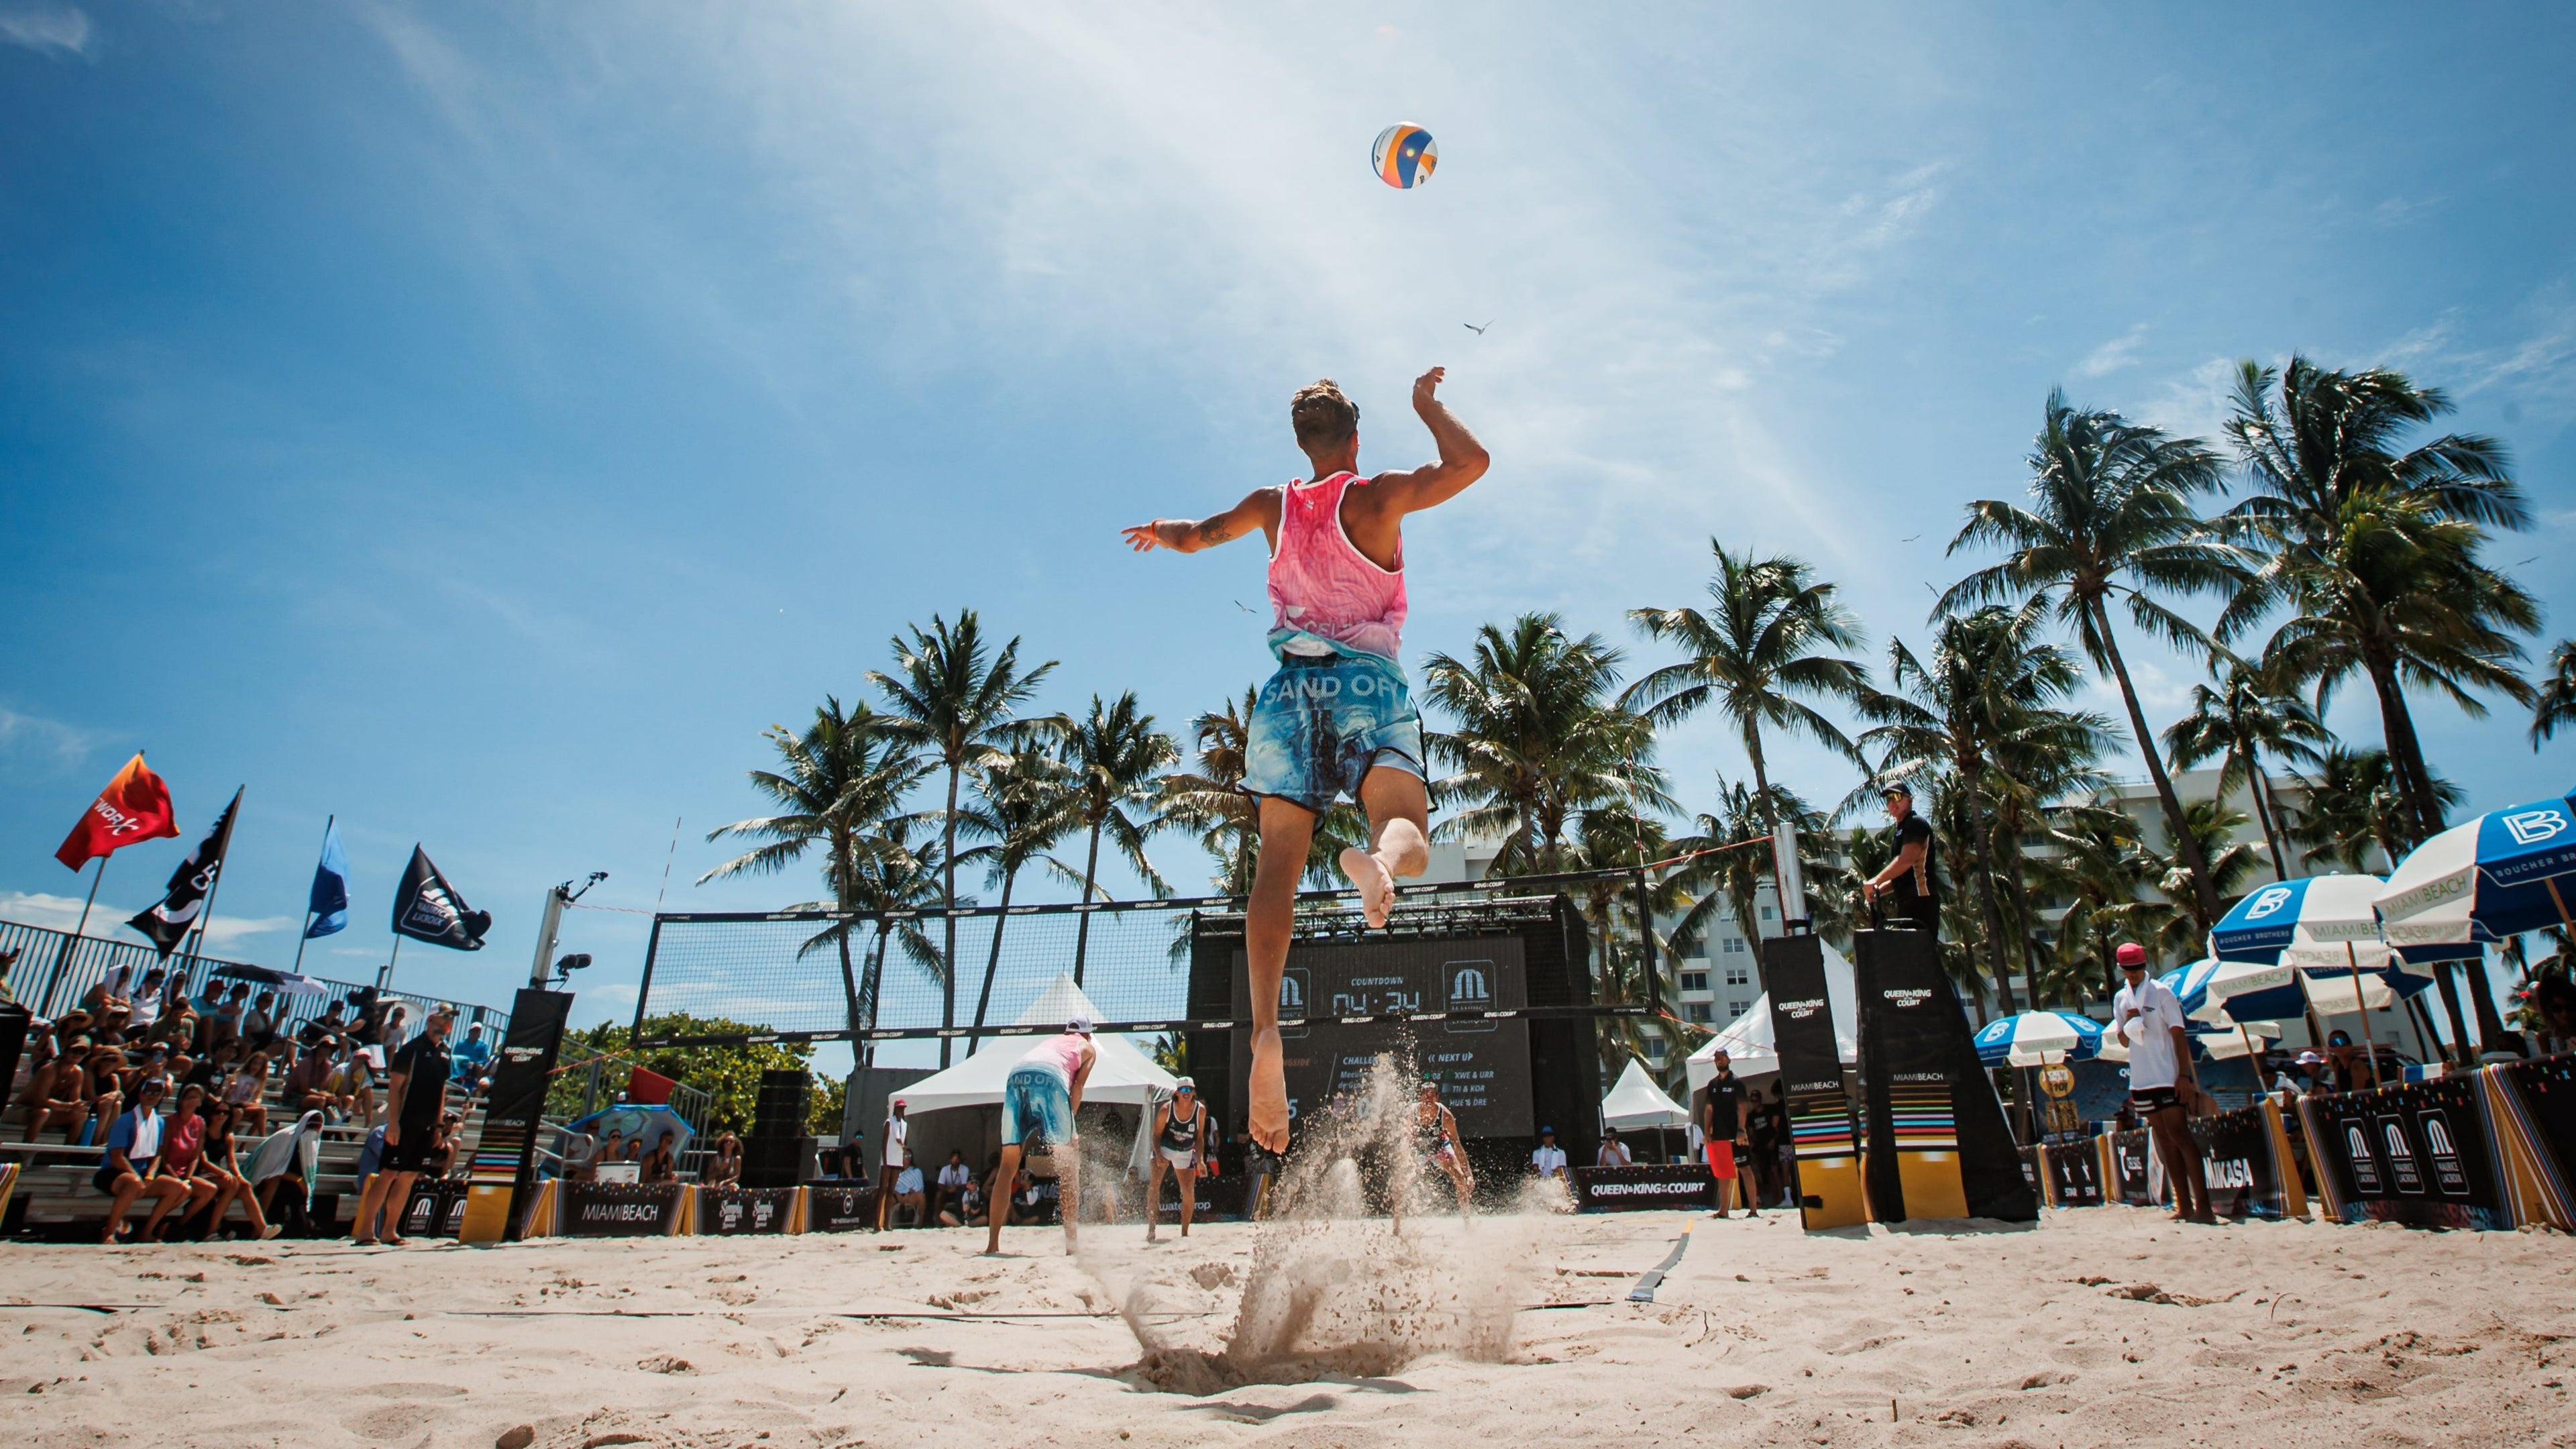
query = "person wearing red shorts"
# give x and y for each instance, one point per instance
(1722, 1123)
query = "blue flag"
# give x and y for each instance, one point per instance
(330, 902)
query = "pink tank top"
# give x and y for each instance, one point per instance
(1325, 595)
(1059, 1053)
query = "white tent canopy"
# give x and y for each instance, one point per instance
(1121, 1073)
(1747, 1039)
(1636, 1102)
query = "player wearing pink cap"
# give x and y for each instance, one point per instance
(1338, 718)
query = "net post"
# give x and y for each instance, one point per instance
(644, 988)
(1646, 946)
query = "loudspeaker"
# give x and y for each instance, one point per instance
(777, 1161)
(779, 1109)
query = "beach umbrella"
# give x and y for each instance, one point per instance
(2248, 1038)
(2036, 1038)
(635, 1123)
(285, 981)
(2497, 876)
(2319, 911)
(2207, 987)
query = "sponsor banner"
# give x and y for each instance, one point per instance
(503, 1167)
(1621, 1189)
(2235, 1158)
(619, 1209)
(2417, 1153)
(730, 1211)
(436, 1209)
(2131, 1156)
(1823, 1138)
(2533, 1107)
(2074, 1174)
(838, 1207)
(2030, 1173)
(1938, 1146)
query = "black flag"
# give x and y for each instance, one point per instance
(427, 908)
(169, 922)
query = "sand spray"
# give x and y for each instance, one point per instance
(1363, 1263)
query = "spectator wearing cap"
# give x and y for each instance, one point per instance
(473, 1060)
(125, 1172)
(1180, 1145)
(897, 1147)
(1910, 886)
(2148, 1018)
(1547, 1159)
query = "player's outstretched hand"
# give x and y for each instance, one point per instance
(1144, 537)
(1426, 387)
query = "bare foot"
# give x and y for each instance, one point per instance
(1377, 887)
(1269, 1092)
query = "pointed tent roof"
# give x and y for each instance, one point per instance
(1747, 1039)
(1121, 1073)
(1637, 1102)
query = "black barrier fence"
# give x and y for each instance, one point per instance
(436, 1209)
(2238, 1164)
(2133, 1174)
(618, 1210)
(2074, 1173)
(734, 1211)
(2419, 1153)
(883, 976)
(839, 1207)
(1634, 1189)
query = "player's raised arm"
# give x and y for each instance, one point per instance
(1462, 459)
(1259, 509)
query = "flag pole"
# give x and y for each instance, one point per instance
(298, 968)
(63, 957)
(385, 977)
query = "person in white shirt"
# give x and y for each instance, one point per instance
(953, 1179)
(1548, 1160)
(898, 1156)
(1614, 1153)
(2148, 1017)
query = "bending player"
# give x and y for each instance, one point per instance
(1039, 1100)
(1337, 718)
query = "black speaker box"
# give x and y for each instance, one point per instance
(779, 1109)
(777, 1161)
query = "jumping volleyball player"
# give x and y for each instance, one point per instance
(1338, 718)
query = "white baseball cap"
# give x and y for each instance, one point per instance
(1080, 1025)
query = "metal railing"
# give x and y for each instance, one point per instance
(56, 969)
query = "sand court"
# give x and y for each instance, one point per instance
(2106, 1326)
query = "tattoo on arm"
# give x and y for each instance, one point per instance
(1215, 530)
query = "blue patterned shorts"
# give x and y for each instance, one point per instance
(1323, 721)
(1037, 1107)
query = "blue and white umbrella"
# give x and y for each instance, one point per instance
(2504, 873)
(2207, 987)
(2326, 930)
(2035, 1038)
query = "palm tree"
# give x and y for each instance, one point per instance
(1727, 874)
(1757, 654)
(2354, 805)
(1538, 740)
(1604, 841)
(2555, 704)
(2239, 722)
(2376, 551)
(2097, 868)
(1113, 755)
(960, 705)
(837, 784)
(2214, 825)
(897, 878)
(2110, 516)
(1210, 803)
(1989, 681)
(1024, 804)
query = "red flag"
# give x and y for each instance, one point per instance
(134, 807)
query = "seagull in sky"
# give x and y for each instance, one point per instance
(1472, 327)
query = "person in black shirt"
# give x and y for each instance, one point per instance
(1911, 884)
(414, 1096)
(1722, 1127)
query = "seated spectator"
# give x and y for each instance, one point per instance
(259, 1024)
(612, 1150)
(106, 1095)
(661, 1164)
(351, 1087)
(212, 1068)
(450, 1135)
(245, 1092)
(371, 1154)
(111, 999)
(303, 1088)
(850, 1161)
(182, 1140)
(125, 1171)
(284, 1157)
(8, 993)
(143, 1007)
(220, 1159)
(1614, 1153)
(473, 1058)
(955, 1177)
(228, 1008)
(909, 1196)
(725, 1170)
(55, 1057)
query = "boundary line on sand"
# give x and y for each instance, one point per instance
(1644, 1292)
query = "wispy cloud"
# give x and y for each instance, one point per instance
(2192, 404)
(46, 744)
(2111, 356)
(62, 913)
(46, 30)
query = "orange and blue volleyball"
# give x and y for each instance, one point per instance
(1404, 155)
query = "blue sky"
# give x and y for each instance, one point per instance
(481, 422)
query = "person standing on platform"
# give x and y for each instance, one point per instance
(2149, 1019)
(1911, 883)
(1039, 1100)
(897, 1144)
(1337, 719)
(1721, 1125)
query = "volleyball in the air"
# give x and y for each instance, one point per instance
(1404, 155)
